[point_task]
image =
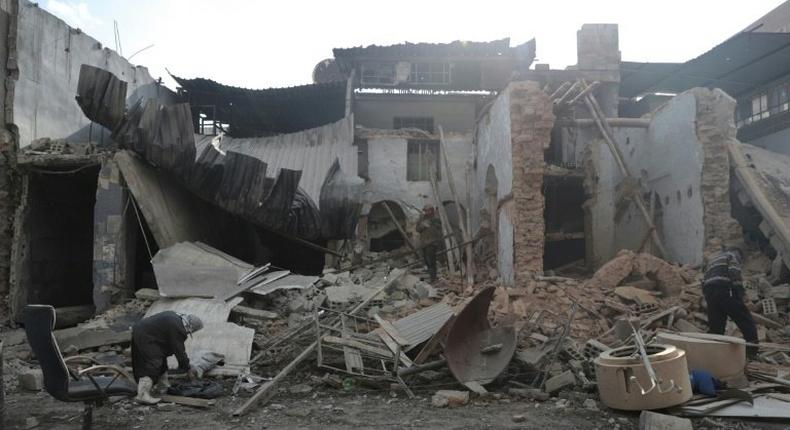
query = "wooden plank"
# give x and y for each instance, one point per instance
(188, 401)
(391, 330)
(447, 230)
(254, 313)
(267, 390)
(401, 230)
(394, 347)
(88, 338)
(356, 345)
(608, 135)
(459, 214)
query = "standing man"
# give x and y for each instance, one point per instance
(722, 287)
(430, 229)
(153, 340)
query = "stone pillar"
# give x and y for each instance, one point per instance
(715, 125)
(598, 50)
(531, 122)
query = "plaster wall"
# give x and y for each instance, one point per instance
(494, 150)
(454, 115)
(387, 170)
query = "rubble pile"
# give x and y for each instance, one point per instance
(380, 324)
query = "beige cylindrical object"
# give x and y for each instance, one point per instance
(615, 368)
(723, 356)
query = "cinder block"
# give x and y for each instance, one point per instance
(557, 383)
(31, 380)
(653, 421)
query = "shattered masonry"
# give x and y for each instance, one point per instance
(715, 131)
(532, 119)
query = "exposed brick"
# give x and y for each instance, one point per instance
(532, 119)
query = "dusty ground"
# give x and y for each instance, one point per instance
(334, 409)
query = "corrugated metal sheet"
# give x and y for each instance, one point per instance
(312, 151)
(421, 325)
(458, 48)
(737, 65)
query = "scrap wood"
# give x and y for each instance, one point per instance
(402, 232)
(188, 401)
(391, 330)
(356, 344)
(254, 313)
(394, 347)
(267, 390)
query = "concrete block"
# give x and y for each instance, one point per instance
(531, 357)
(31, 380)
(780, 292)
(563, 380)
(654, 421)
(451, 398)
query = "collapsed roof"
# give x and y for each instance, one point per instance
(265, 112)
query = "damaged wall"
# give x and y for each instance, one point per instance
(681, 158)
(48, 56)
(494, 180)
(531, 119)
(453, 113)
(511, 139)
(387, 159)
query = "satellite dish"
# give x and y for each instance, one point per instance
(327, 71)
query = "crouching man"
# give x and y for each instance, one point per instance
(153, 340)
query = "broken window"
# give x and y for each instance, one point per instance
(378, 73)
(430, 73)
(362, 158)
(760, 107)
(421, 155)
(422, 123)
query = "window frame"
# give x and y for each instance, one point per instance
(420, 148)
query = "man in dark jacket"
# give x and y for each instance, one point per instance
(153, 340)
(430, 229)
(722, 287)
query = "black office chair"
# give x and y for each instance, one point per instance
(88, 385)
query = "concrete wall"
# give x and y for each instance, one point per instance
(49, 55)
(387, 170)
(493, 150)
(682, 158)
(455, 114)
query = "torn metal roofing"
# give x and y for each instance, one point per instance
(265, 112)
(458, 48)
(738, 65)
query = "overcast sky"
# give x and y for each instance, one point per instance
(276, 43)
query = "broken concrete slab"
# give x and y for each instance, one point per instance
(654, 421)
(31, 380)
(194, 269)
(762, 175)
(565, 379)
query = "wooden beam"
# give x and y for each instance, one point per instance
(267, 390)
(459, 214)
(608, 135)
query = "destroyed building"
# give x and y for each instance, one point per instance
(613, 172)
